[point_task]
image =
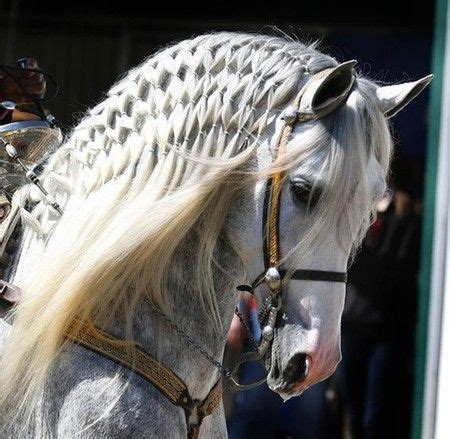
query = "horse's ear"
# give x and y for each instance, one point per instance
(328, 89)
(393, 98)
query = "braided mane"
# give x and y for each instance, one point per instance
(208, 96)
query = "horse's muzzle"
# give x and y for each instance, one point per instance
(284, 379)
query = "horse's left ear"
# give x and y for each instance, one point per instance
(393, 98)
(327, 89)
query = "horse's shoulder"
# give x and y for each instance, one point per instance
(98, 395)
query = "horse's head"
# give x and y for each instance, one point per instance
(342, 153)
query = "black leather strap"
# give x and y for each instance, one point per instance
(318, 275)
(312, 275)
(265, 213)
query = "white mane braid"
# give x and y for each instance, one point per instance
(148, 177)
(207, 96)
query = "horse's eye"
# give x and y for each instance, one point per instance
(303, 193)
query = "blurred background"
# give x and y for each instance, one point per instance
(88, 45)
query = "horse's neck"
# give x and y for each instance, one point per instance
(161, 340)
(157, 337)
(174, 352)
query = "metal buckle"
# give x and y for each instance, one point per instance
(273, 279)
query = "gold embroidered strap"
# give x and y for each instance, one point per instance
(136, 359)
(273, 244)
(212, 401)
(131, 356)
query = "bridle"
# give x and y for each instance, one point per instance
(273, 275)
(163, 378)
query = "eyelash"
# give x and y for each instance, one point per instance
(302, 193)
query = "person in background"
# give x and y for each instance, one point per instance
(375, 374)
(17, 85)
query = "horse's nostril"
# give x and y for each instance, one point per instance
(296, 369)
(276, 369)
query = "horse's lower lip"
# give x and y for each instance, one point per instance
(287, 392)
(290, 390)
(284, 389)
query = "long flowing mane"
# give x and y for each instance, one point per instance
(165, 153)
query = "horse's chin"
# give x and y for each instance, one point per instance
(288, 393)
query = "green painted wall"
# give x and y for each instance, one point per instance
(428, 219)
